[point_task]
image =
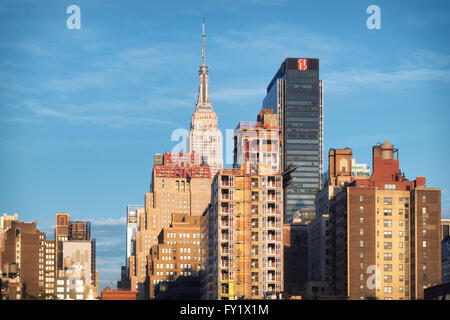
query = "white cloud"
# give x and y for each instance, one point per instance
(72, 113)
(109, 222)
(351, 80)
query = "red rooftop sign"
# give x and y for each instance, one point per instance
(182, 172)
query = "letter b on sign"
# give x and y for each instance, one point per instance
(74, 20)
(374, 21)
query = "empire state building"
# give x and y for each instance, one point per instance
(205, 138)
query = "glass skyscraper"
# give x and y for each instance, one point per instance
(296, 96)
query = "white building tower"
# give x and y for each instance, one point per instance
(205, 138)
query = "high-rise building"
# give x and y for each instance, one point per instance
(245, 247)
(75, 259)
(385, 238)
(205, 138)
(5, 224)
(34, 266)
(61, 235)
(50, 271)
(77, 256)
(341, 166)
(244, 218)
(296, 96)
(24, 248)
(180, 186)
(295, 243)
(179, 253)
(318, 257)
(133, 212)
(80, 230)
(257, 142)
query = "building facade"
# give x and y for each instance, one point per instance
(341, 166)
(5, 224)
(245, 248)
(258, 143)
(296, 96)
(179, 253)
(23, 250)
(385, 234)
(295, 257)
(180, 186)
(445, 227)
(319, 255)
(74, 254)
(445, 258)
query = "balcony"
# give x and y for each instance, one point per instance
(226, 183)
(226, 197)
(226, 209)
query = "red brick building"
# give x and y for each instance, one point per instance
(386, 226)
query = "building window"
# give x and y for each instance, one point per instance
(424, 199)
(387, 201)
(361, 232)
(387, 212)
(424, 244)
(388, 245)
(361, 198)
(424, 210)
(388, 223)
(388, 234)
(361, 209)
(361, 243)
(387, 289)
(388, 267)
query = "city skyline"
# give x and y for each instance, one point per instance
(60, 132)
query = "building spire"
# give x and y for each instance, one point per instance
(203, 101)
(203, 43)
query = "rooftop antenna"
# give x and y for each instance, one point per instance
(203, 42)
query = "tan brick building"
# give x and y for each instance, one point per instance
(180, 187)
(179, 252)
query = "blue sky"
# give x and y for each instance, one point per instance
(83, 111)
